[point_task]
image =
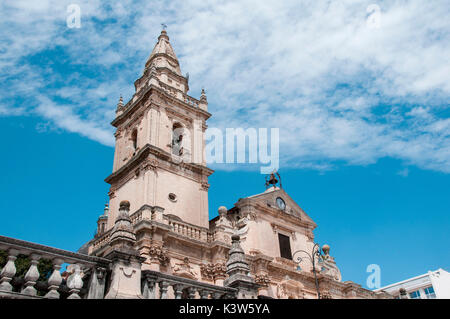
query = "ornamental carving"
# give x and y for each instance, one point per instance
(159, 253)
(185, 269)
(151, 164)
(262, 279)
(213, 271)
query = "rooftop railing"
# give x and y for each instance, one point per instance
(30, 270)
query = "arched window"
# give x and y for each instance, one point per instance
(177, 139)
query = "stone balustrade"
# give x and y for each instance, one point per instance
(88, 276)
(86, 273)
(156, 285)
(188, 230)
(102, 240)
(191, 101)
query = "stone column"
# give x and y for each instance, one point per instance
(220, 270)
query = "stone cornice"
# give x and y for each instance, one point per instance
(135, 161)
(131, 107)
(278, 214)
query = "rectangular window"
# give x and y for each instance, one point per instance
(414, 294)
(429, 292)
(285, 246)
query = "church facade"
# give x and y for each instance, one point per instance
(155, 240)
(160, 170)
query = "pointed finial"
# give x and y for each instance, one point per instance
(163, 33)
(119, 105)
(203, 96)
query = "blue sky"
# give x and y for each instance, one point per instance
(363, 115)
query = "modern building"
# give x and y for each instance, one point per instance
(432, 285)
(155, 238)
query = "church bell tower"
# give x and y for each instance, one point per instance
(159, 159)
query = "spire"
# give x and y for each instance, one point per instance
(203, 101)
(203, 96)
(106, 210)
(119, 105)
(163, 49)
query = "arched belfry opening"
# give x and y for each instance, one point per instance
(177, 139)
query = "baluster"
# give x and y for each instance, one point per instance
(217, 295)
(178, 290)
(31, 276)
(163, 286)
(191, 292)
(55, 280)
(74, 282)
(149, 289)
(8, 271)
(204, 294)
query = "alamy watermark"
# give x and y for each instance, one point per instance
(230, 146)
(374, 16)
(374, 279)
(74, 18)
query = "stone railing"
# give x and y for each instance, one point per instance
(156, 285)
(102, 240)
(188, 230)
(85, 274)
(191, 101)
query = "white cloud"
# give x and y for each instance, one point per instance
(337, 89)
(64, 118)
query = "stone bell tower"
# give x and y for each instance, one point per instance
(159, 159)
